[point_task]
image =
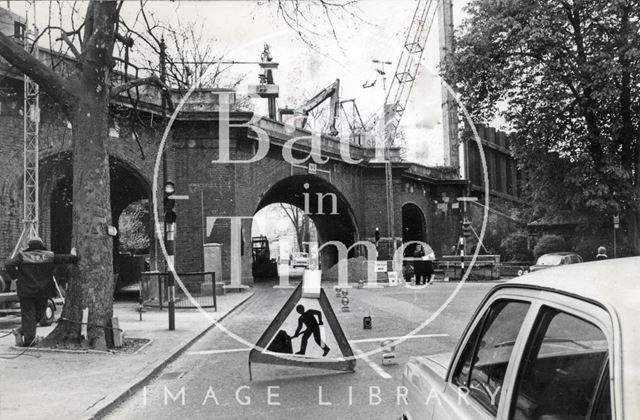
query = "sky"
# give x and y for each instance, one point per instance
(240, 29)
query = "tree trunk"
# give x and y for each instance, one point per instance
(92, 283)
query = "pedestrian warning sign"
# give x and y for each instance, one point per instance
(304, 333)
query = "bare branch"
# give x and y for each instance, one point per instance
(127, 41)
(57, 87)
(146, 81)
(72, 47)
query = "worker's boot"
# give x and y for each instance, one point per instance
(326, 351)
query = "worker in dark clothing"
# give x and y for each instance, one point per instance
(423, 266)
(33, 268)
(308, 319)
(419, 265)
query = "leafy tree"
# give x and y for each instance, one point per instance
(564, 75)
(514, 247)
(549, 243)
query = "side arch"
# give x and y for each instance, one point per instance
(414, 224)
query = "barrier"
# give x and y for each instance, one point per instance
(486, 267)
(200, 285)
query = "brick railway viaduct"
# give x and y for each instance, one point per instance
(424, 197)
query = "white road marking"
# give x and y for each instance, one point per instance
(206, 352)
(364, 340)
(375, 340)
(376, 368)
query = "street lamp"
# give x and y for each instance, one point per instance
(169, 187)
(169, 241)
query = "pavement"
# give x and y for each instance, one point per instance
(39, 384)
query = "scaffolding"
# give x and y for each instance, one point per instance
(31, 126)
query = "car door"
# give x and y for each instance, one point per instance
(563, 371)
(483, 363)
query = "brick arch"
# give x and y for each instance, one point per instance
(130, 184)
(341, 226)
(414, 223)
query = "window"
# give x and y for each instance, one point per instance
(575, 259)
(564, 372)
(550, 259)
(18, 30)
(483, 364)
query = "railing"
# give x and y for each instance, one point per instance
(514, 268)
(486, 267)
(200, 285)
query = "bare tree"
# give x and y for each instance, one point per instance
(300, 222)
(84, 96)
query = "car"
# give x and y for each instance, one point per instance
(299, 259)
(553, 259)
(555, 344)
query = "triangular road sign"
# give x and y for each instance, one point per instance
(267, 351)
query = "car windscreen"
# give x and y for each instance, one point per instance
(550, 259)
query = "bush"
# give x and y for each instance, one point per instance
(514, 247)
(587, 247)
(549, 243)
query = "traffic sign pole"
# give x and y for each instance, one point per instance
(616, 225)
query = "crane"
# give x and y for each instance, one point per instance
(400, 90)
(408, 64)
(331, 92)
(31, 123)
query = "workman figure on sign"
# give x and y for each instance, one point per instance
(308, 319)
(33, 268)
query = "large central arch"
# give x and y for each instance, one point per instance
(333, 215)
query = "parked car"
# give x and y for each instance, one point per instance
(553, 259)
(299, 259)
(556, 344)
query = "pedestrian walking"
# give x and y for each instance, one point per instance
(602, 253)
(33, 268)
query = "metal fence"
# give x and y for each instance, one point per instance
(200, 285)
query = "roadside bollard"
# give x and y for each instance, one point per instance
(360, 284)
(338, 292)
(345, 304)
(366, 322)
(345, 301)
(388, 352)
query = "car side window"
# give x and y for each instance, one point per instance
(564, 371)
(483, 364)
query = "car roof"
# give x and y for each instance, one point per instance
(560, 253)
(613, 282)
